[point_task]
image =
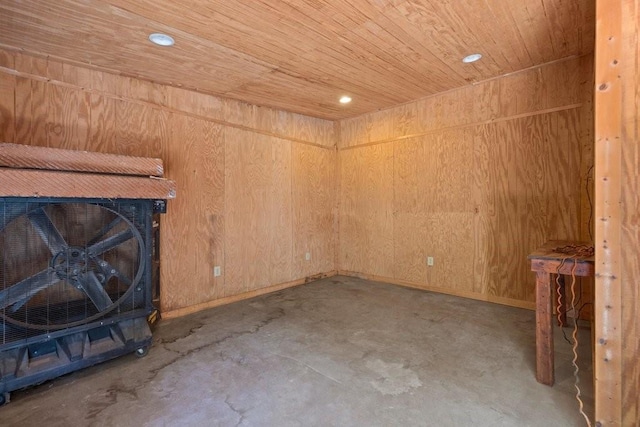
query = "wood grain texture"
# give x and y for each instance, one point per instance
(7, 106)
(377, 51)
(239, 297)
(366, 210)
(414, 165)
(268, 121)
(125, 128)
(60, 105)
(28, 157)
(433, 208)
(258, 211)
(192, 232)
(51, 116)
(313, 186)
(557, 85)
(617, 112)
(476, 184)
(41, 183)
(544, 330)
(630, 232)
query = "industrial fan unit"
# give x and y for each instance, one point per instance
(75, 284)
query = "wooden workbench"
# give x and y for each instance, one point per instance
(547, 261)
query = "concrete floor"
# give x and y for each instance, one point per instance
(337, 352)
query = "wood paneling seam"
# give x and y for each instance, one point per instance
(438, 94)
(467, 125)
(442, 290)
(160, 107)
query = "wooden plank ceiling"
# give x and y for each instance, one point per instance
(302, 55)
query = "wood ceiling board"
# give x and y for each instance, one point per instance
(311, 98)
(301, 56)
(236, 25)
(109, 38)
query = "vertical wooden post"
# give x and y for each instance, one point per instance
(544, 329)
(608, 156)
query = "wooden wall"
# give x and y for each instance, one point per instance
(617, 138)
(476, 178)
(255, 185)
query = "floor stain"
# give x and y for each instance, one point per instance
(394, 378)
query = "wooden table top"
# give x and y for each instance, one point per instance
(560, 249)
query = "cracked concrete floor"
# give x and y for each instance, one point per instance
(336, 352)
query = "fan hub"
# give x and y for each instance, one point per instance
(70, 262)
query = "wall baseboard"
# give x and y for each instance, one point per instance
(471, 295)
(246, 295)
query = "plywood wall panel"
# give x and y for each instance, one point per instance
(453, 181)
(235, 175)
(552, 86)
(195, 103)
(68, 117)
(564, 206)
(7, 107)
(353, 132)
(366, 210)
(121, 127)
(258, 211)
(483, 176)
(23, 111)
(49, 115)
(193, 229)
(7, 59)
(488, 101)
(449, 240)
(313, 201)
(410, 234)
(225, 111)
(414, 172)
(503, 223)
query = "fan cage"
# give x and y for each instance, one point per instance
(70, 265)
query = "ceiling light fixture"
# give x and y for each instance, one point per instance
(471, 58)
(345, 99)
(161, 39)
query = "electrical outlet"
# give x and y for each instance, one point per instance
(216, 271)
(307, 256)
(430, 261)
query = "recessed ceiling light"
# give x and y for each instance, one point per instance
(471, 58)
(161, 39)
(345, 99)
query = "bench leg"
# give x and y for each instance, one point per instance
(544, 329)
(562, 307)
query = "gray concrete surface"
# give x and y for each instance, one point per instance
(337, 352)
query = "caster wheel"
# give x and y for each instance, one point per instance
(142, 351)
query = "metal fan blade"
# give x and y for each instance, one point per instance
(91, 286)
(22, 291)
(47, 231)
(111, 271)
(105, 230)
(110, 242)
